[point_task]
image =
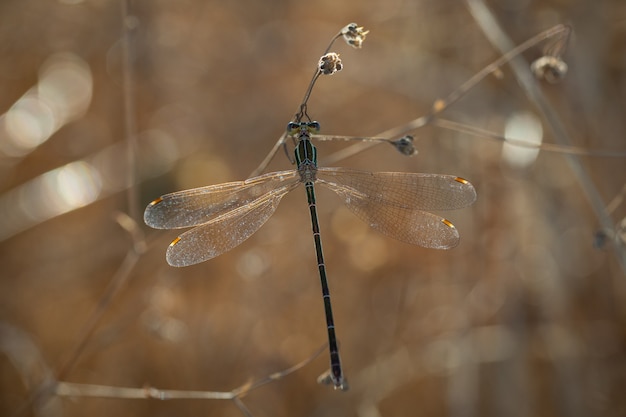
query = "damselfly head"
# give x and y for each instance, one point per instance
(294, 128)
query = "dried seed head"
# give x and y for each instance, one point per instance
(354, 35)
(405, 145)
(330, 63)
(549, 68)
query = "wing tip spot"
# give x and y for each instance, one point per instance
(175, 241)
(461, 180)
(444, 221)
(155, 202)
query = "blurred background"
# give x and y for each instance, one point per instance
(526, 317)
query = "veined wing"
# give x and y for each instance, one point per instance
(404, 189)
(393, 202)
(224, 232)
(200, 205)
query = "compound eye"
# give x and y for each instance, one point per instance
(313, 127)
(293, 127)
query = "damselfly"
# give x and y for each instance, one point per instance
(394, 203)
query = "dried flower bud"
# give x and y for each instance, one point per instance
(405, 145)
(354, 35)
(330, 63)
(549, 68)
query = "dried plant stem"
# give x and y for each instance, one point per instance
(442, 104)
(41, 392)
(132, 256)
(549, 147)
(123, 273)
(505, 58)
(67, 389)
(521, 70)
(116, 284)
(50, 387)
(302, 107)
(130, 123)
(617, 200)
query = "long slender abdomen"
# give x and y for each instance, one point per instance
(335, 362)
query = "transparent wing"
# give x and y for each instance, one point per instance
(405, 189)
(226, 231)
(199, 205)
(393, 202)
